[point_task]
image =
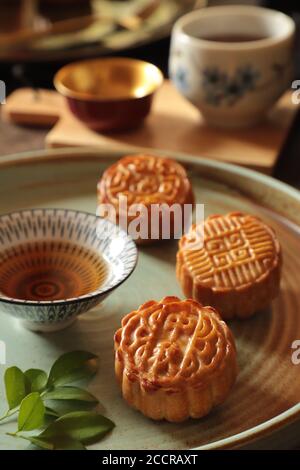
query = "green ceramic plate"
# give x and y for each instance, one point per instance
(266, 396)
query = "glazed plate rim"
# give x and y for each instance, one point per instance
(75, 154)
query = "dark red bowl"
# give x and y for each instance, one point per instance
(111, 93)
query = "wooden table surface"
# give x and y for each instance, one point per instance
(15, 138)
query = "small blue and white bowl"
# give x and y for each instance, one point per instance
(58, 263)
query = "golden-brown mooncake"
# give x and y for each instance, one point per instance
(174, 359)
(146, 180)
(237, 267)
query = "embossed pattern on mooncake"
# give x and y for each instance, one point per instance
(239, 253)
(145, 179)
(153, 189)
(177, 349)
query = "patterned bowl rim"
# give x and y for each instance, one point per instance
(130, 267)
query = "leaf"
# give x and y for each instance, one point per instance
(72, 366)
(15, 386)
(65, 443)
(43, 443)
(54, 443)
(37, 379)
(70, 393)
(50, 412)
(84, 426)
(62, 407)
(50, 416)
(31, 414)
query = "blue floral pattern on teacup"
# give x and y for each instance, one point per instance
(180, 79)
(221, 88)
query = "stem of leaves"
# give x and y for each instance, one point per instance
(9, 413)
(28, 392)
(14, 411)
(13, 434)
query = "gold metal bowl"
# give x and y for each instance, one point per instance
(110, 93)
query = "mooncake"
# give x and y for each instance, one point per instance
(174, 359)
(147, 182)
(237, 267)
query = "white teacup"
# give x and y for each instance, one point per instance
(232, 62)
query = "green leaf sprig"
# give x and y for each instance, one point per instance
(29, 393)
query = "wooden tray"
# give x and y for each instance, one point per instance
(266, 396)
(174, 124)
